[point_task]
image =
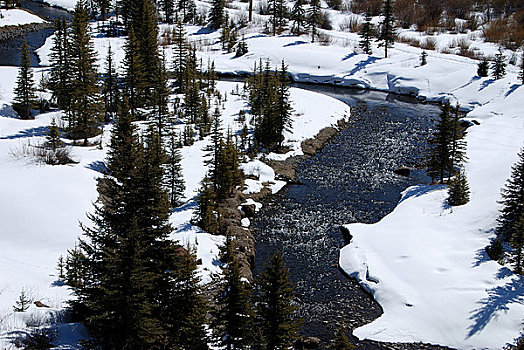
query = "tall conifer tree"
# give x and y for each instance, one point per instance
(61, 74)
(25, 99)
(367, 32)
(386, 34)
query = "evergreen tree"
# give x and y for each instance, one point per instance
(512, 200)
(206, 214)
(440, 157)
(23, 302)
(85, 104)
(74, 275)
(160, 97)
(283, 107)
(134, 75)
(234, 312)
(517, 246)
(498, 66)
(53, 136)
(146, 32)
(175, 180)
(110, 87)
(298, 16)
(25, 99)
(386, 34)
(314, 18)
(423, 58)
(128, 256)
(189, 316)
(458, 190)
(483, 68)
(278, 12)
(60, 267)
(275, 308)
(216, 14)
(367, 32)
(168, 6)
(180, 53)
(457, 142)
(61, 76)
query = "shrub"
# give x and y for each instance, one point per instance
(326, 21)
(429, 43)
(350, 24)
(495, 250)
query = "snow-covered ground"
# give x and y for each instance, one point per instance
(14, 17)
(424, 263)
(41, 205)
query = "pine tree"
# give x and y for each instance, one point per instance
(386, 34)
(74, 275)
(60, 267)
(110, 87)
(53, 136)
(85, 105)
(512, 200)
(168, 6)
(189, 316)
(439, 156)
(278, 12)
(498, 66)
(23, 302)
(341, 341)
(216, 14)
(298, 16)
(175, 180)
(275, 308)
(134, 75)
(423, 58)
(283, 107)
(179, 55)
(205, 216)
(483, 68)
(160, 99)
(25, 99)
(128, 255)
(314, 18)
(61, 76)
(457, 144)
(367, 32)
(517, 246)
(458, 190)
(234, 313)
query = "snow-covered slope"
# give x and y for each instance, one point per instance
(14, 17)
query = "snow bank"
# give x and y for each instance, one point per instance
(13, 17)
(425, 262)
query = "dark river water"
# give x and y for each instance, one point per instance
(350, 180)
(10, 50)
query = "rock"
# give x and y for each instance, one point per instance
(311, 146)
(308, 343)
(402, 171)
(249, 210)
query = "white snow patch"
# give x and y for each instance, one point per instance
(13, 17)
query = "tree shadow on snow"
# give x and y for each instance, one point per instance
(98, 166)
(362, 64)
(497, 301)
(486, 83)
(512, 89)
(298, 42)
(419, 190)
(481, 257)
(348, 56)
(39, 131)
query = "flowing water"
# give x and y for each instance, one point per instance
(350, 180)
(10, 49)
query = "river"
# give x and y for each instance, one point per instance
(350, 180)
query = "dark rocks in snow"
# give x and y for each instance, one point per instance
(345, 233)
(307, 343)
(38, 303)
(249, 210)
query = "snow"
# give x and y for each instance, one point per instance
(13, 17)
(424, 263)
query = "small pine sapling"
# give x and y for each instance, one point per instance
(53, 136)
(22, 304)
(458, 190)
(423, 58)
(60, 267)
(483, 68)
